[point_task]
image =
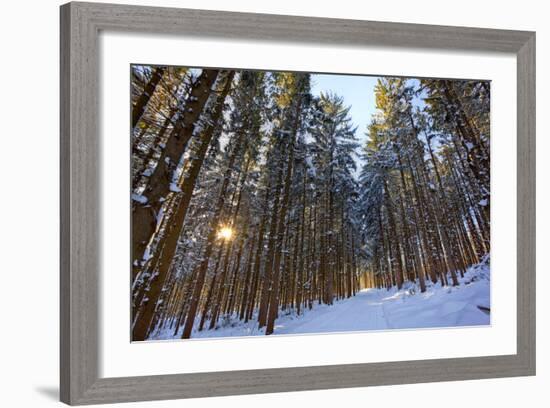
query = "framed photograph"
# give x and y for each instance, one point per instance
(259, 203)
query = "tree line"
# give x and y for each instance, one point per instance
(425, 190)
(246, 201)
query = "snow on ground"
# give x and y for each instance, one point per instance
(377, 309)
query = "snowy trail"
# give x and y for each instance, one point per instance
(360, 312)
(375, 309)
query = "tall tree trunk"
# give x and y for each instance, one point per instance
(302, 255)
(140, 105)
(274, 297)
(258, 257)
(166, 253)
(145, 212)
(159, 141)
(393, 228)
(267, 281)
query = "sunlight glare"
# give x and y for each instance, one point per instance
(225, 233)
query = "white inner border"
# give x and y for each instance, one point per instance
(121, 358)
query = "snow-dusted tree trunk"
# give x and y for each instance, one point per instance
(146, 209)
(143, 100)
(273, 306)
(165, 253)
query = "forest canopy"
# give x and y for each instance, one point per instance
(256, 194)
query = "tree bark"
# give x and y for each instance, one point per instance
(168, 250)
(274, 297)
(144, 214)
(140, 105)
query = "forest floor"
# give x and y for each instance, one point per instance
(377, 309)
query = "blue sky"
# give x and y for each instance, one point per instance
(357, 91)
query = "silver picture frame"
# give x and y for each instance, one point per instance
(81, 24)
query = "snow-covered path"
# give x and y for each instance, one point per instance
(362, 311)
(376, 309)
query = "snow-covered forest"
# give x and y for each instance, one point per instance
(259, 207)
